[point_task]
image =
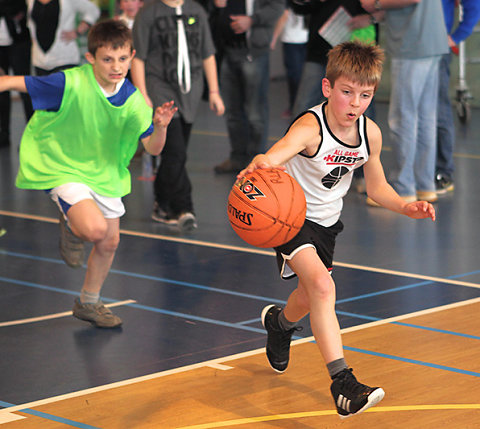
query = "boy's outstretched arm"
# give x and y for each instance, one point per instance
(378, 188)
(303, 135)
(12, 83)
(156, 141)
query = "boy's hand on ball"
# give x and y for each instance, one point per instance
(164, 114)
(260, 161)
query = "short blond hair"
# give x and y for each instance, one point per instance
(356, 61)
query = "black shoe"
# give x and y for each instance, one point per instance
(278, 340)
(161, 216)
(443, 184)
(352, 397)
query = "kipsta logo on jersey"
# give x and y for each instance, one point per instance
(250, 190)
(332, 178)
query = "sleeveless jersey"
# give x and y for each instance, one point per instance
(88, 140)
(326, 176)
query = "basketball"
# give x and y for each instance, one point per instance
(266, 208)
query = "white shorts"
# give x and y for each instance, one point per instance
(65, 196)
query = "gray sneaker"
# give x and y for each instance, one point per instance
(187, 222)
(72, 248)
(97, 314)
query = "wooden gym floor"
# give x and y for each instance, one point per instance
(190, 353)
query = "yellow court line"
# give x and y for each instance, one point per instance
(274, 417)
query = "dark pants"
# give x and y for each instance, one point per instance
(15, 57)
(172, 187)
(293, 60)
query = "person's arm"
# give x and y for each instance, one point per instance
(12, 83)
(372, 6)
(278, 30)
(155, 142)
(214, 99)
(303, 136)
(137, 71)
(378, 188)
(471, 16)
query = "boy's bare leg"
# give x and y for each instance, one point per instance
(87, 222)
(315, 293)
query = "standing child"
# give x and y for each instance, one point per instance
(174, 47)
(308, 151)
(77, 147)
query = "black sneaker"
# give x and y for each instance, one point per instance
(443, 184)
(352, 397)
(278, 340)
(161, 216)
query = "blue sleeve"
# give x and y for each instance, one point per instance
(46, 92)
(148, 132)
(471, 15)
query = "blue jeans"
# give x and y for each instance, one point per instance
(412, 118)
(244, 85)
(445, 123)
(293, 60)
(310, 90)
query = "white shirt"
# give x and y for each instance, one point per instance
(5, 38)
(326, 176)
(62, 52)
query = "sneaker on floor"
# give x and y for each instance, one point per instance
(161, 216)
(72, 248)
(443, 184)
(352, 397)
(187, 222)
(430, 196)
(278, 339)
(97, 314)
(228, 166)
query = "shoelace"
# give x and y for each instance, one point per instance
(350, 383)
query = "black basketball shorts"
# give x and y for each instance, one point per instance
(310, 235)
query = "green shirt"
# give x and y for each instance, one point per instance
(88, 140)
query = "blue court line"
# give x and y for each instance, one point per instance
(410, 325)
(234, 293)
(148, 277)
(49, 417)
(414, 361)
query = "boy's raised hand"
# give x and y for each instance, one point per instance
(164, 114)
(420, 210)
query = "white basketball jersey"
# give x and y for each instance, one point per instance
(327, 175)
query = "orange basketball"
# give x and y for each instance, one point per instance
(266, 208)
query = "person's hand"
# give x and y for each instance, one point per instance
(368, 5)
(260, 161)
(420, 210)
(69, 35)
(216, 103)
(164, 114)
(240, 23)
(220, 3)
(359, 21)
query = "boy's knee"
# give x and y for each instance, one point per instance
(322, 288)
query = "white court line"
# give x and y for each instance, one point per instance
(255, 251)
(57, 315)
(219, 361)
(9, 417)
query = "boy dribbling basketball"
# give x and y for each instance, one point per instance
(320, 150)
(77, 147)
